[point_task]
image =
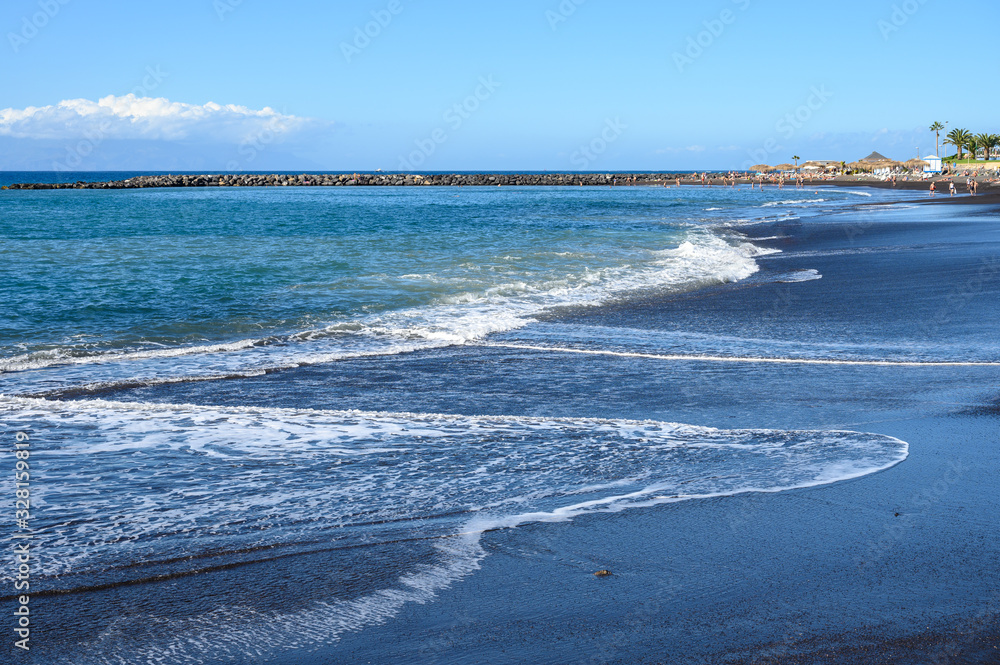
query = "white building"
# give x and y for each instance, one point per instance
(933, 164)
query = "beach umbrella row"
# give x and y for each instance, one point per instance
(871, 166)
(862, 165)
(780, 167)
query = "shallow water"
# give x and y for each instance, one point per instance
(180, 482)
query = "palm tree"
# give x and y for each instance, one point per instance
(973, 145)
(796, 158)
(987, 142)
(936, 128)
(959, 138)
(984, 141)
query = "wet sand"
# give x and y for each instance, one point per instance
(899, 567)
(902, 566)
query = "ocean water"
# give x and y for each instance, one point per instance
(174, 531)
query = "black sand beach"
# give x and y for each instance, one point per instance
(899, 567)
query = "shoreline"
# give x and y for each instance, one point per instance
(894, 567)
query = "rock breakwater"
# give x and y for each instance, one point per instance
(366, 180)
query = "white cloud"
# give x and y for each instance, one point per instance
(155, 118)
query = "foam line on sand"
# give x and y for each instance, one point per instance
(738, 359)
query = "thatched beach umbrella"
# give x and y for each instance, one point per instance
(785, 167)
(916, 164)
(887, 164)
(871, 166)
(761, 167)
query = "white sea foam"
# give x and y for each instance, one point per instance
(723, 347)
(792, 202)
(743, 222)
(695, 357)
(39, 359)
(754, 250)
(458, 318)
(799, 276)
(290, 474)
(230, 634)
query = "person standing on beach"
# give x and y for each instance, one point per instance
(951, 187)
(932, 189)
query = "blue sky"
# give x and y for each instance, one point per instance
(448, 85)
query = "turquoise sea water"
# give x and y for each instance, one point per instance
(275, 277)
(105, 290)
